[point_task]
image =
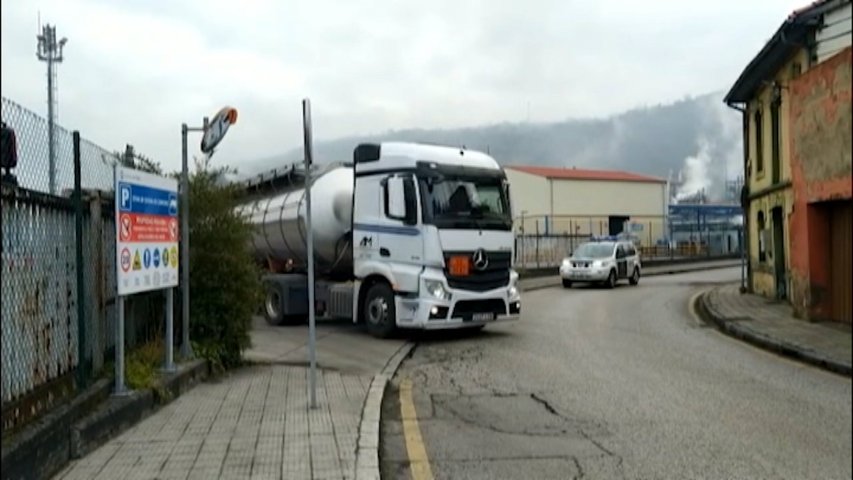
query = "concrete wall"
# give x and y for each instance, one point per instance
(530, 194)
(765, 195)
(592, 197)
(763, 274)
(583, 207)
(820, 145)
(762, 179)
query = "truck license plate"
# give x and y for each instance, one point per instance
(482, 317)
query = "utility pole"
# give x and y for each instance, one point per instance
(49, 51)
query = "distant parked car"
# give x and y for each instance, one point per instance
(604, 262)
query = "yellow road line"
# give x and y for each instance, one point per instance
(418, 460)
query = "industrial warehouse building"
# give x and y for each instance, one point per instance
(556, 208)
(573, 201)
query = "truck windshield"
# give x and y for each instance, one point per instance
(466, 202)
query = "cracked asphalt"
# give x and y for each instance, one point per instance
(593, 383)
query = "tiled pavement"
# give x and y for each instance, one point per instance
(253, 423)
(771, 324)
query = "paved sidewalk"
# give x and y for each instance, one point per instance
(254, 422)
(537, 283)
(771, 325)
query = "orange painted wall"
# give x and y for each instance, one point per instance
(820, 146)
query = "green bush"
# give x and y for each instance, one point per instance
(225, 288)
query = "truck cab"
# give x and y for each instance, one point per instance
(432, 238)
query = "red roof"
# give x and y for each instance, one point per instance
(583, 174)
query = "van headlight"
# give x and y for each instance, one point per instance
(567, 263)
(437, 290)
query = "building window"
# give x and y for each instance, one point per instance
(796, 70)
(762, 237)
(759, 142)
(775, 140)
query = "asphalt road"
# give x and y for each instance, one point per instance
(594, 383)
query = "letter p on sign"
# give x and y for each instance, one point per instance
(125, 197)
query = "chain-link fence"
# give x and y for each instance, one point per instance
(39, 291)
(542, 241)
(33, 170)
(58, 293)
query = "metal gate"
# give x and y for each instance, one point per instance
(841, 244)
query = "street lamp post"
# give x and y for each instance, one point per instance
(212, 133)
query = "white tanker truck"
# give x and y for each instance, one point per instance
(406, 236)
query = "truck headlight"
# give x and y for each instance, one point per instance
(512, 291)
(436, 289)
(567, 263)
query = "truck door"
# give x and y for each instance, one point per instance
(399, 238)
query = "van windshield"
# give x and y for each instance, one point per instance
(594, 250)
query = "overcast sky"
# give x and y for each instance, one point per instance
(134, 70)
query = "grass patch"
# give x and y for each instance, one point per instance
(143, 363)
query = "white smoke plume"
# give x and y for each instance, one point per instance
(717, 161)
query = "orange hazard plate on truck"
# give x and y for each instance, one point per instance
(460, 265)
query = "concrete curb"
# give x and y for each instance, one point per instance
(556, 278)
(42, 449)
(367, 449)
(741, 332)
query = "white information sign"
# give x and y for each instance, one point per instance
(146, 231)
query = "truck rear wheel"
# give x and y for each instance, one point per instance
(274, 307)
(379, 312)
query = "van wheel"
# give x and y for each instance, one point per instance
(635, 277)
(611, 279)
(379, 312)
(567, 283)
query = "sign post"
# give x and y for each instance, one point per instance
(312, 333)
(146, 209)
(213, 132)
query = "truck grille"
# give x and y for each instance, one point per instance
(495, 275)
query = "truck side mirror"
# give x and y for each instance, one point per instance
(411, 201)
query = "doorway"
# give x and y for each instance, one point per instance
(841, 264)
(777, 217)
(616, 224)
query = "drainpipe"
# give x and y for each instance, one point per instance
(745, 266)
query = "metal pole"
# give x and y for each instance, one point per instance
(51, 147)
(82, 345)
(312, 334)
(523, 250)
(169, 364)
(742, 261)
(120, 388)
(186, 348)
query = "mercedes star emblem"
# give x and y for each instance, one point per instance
(481, 260)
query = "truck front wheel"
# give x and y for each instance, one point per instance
(379, 312)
